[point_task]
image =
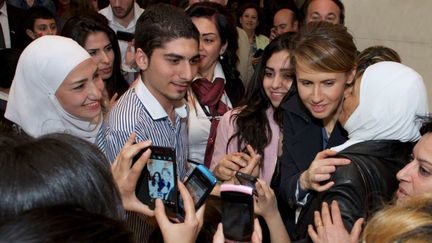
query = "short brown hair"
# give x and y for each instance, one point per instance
(326, 47)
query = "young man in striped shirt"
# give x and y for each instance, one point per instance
(166, 43)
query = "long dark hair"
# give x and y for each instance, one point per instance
(252, 122)
(79, 27)
(55, 169)
(225, 25)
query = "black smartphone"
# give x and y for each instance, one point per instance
(237, 212)
(125, 36)
(246, 179)
(199, 184)
(159, 179)
(258, 53)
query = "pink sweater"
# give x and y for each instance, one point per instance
(226, 129)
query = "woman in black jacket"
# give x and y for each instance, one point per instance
(380, 115)
(324, 61)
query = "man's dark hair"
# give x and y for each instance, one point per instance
(37, 12)
(162, 23)
(339, 3)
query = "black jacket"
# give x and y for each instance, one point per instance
(302, 140)
(362, 186)
(18, 37)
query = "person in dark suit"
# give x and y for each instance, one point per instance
(310, 115)
(15, 37)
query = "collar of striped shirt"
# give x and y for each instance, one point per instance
(153, 106)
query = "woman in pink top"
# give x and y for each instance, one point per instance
(257, 121)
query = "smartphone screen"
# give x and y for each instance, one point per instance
(199, 184)
(246, 180)
(237, 212)
(159, 179)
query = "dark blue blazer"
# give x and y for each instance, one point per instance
(18, 37)
(302, 140)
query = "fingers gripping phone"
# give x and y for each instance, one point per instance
(159, 179)
(199, 184)
(237, 212)
(246, 179)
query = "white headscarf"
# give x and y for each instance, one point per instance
(41, 69)
(392, 95)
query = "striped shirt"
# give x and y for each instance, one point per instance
(139, 111)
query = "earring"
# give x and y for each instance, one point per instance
(220, 57)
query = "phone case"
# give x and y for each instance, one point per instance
(246, 180)
(159, 179)
(199, 184)
(237, 212)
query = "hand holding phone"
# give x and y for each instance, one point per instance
(265, 201)
(127, 174)
(256, 235)
(199, 184)
(159, 179)
(237, 212)
(188, 231)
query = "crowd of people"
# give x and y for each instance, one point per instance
(338, 139)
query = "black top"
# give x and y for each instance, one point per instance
(18, 38)
(362, 186)
(302, 140)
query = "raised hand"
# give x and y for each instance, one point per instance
(320, 170)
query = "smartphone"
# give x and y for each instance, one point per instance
(258, 53)
(237, 212)
(159, 179)
(246, 179)
(125, 36)
(199, 184)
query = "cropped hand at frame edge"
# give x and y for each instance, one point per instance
(126, 176)
(256, 235)
(330, 228)
(187, 231)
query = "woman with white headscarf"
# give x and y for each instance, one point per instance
(56, 88)
(380, 113)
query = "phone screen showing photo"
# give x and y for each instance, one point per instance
(199, 185)
(159, 179)
(161, 182)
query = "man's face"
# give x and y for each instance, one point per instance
(323, 10)
(416, 177)
(121, 8)
(170, 70)
(43, 27)
(284, 21)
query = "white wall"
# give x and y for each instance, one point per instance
(404, 25)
